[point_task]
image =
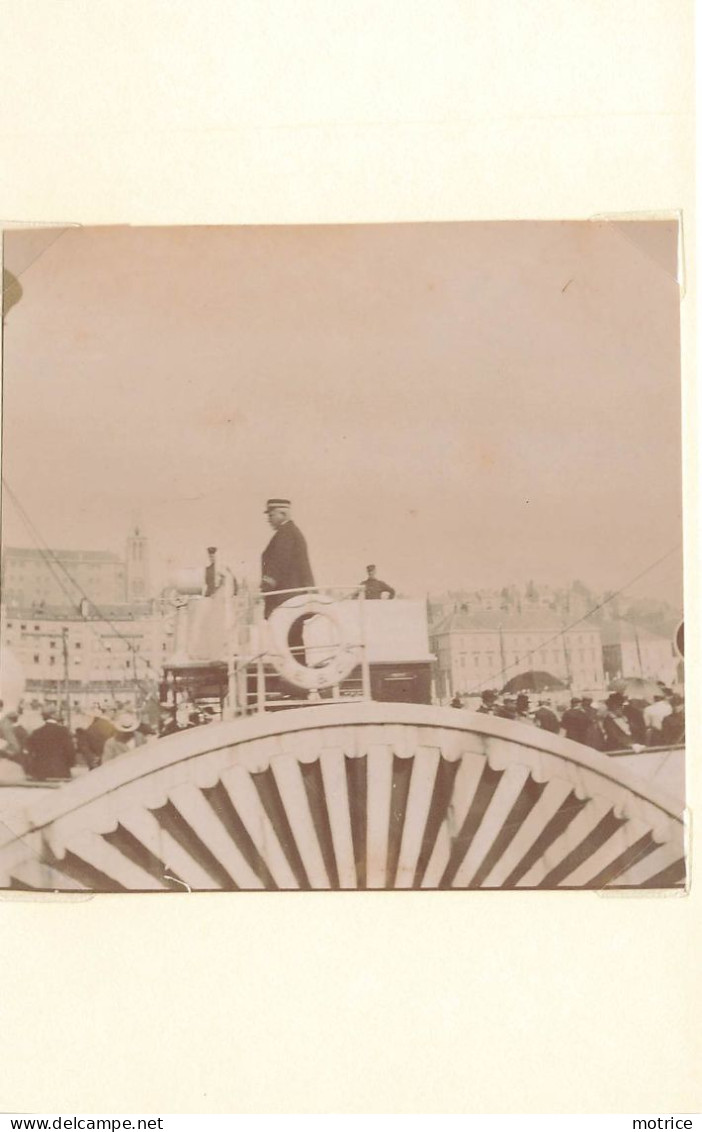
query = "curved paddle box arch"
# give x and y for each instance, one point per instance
(357, 796)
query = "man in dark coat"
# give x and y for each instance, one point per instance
(522, 708)
(575, 722)
(373, 588)
(487, 706)
(616, 726)
(51, 750)
(96, 735)
(211, 571)
(546, 718)
(673, 727)
(285, 564)
(507, 709)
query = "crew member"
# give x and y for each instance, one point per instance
(374, 588)
(285, 564)
(211, 572)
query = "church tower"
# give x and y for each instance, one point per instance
(137, 566)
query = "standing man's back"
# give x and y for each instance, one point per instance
(575, 721)
(51, 750)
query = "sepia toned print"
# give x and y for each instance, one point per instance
(342, 558)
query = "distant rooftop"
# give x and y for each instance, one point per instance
(62, 555)
(616, 632)
(492, 620)
(124, 611)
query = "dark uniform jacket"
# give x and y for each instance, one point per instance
(285, 565)
(375, 589)
(210, 579)
(51, 751)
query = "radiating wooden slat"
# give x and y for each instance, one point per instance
(636, 852)
(311, 773)
(502, 801)
(86, 875)
(218, 798)
(292, 791)
(438, 862)
(333, 763)
(438, 810)
(606, 828)
(200, 815)
(615, 846)
(95, 851)
(465, 786)
(523, 804)
(378, 818)
(426, 762)
(581, 826)
(130, 847)
(177, 861)
(248, 804)
(489, 780)
(553, 797)
(177, 825)
(401, 777)
(655, 862)
(274, 806)
(41, 876)
(357, 785)
(27, 847)
(673, 876)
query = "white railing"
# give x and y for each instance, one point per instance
(269, 661)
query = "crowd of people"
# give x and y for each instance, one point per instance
(614, 724)
(36, 744)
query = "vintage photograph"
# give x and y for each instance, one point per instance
(342, 557)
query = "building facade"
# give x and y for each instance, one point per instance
(32, 579)
(488, 648)
(629, 650)
(88, 661)
(36, 579)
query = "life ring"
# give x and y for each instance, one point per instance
(337, 668)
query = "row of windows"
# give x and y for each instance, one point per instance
(24, 627)
(542, 657)
(78, 661)
(12, 564)
(517, 640)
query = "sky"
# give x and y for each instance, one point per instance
(463, 404)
